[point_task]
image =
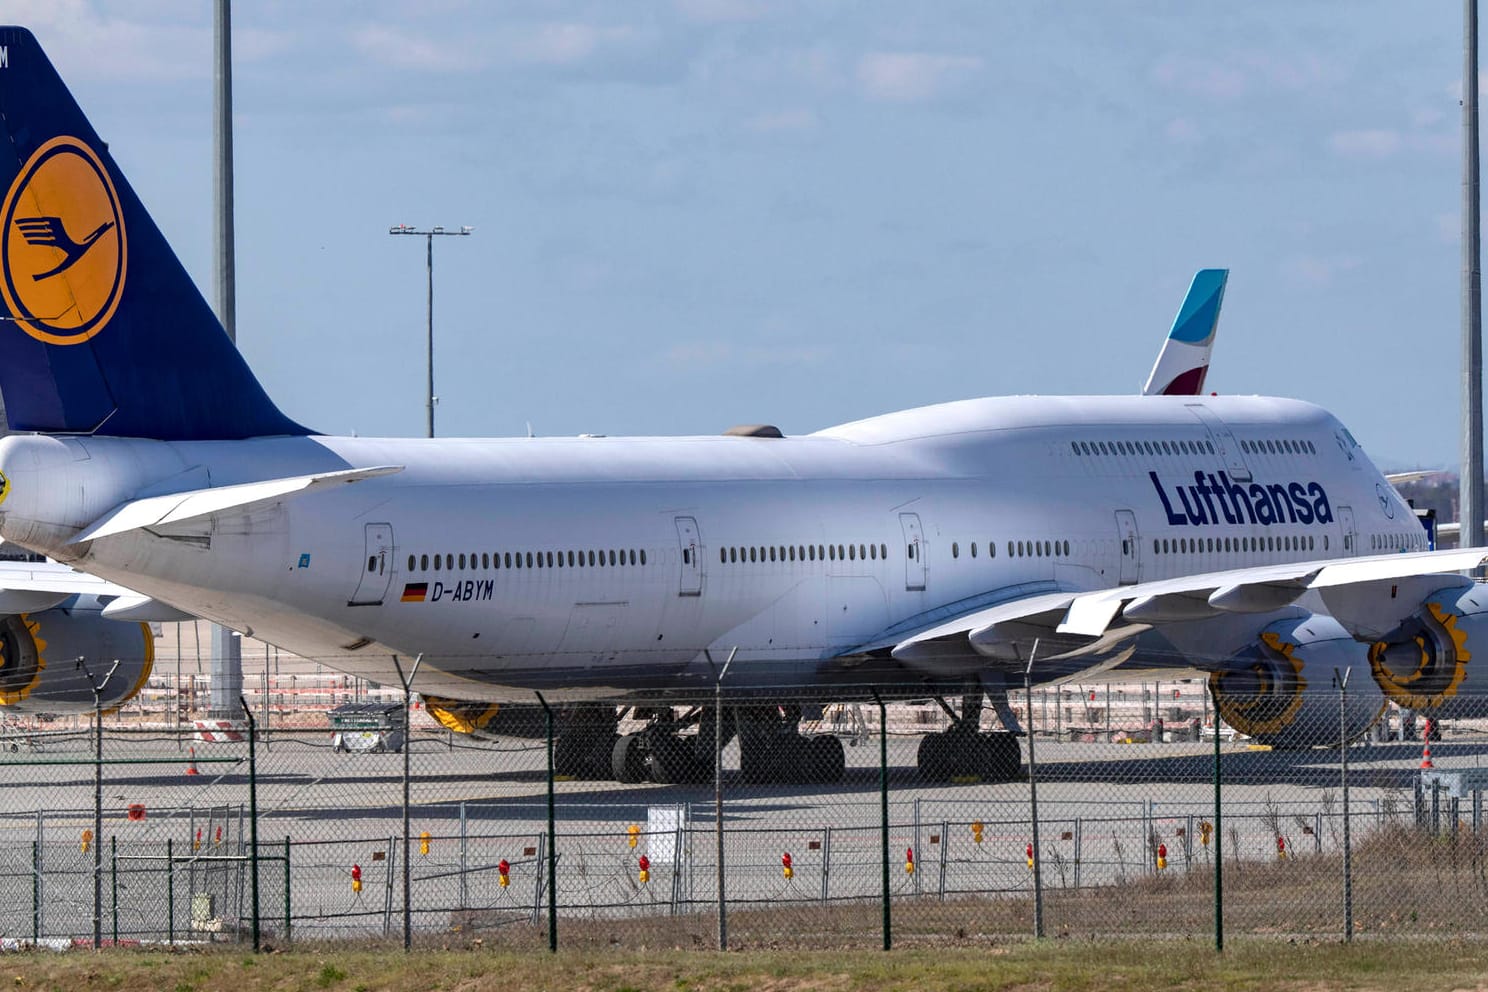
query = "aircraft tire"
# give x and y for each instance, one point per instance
(628, 760)
(936, 758)
(1006, 755)
(828, 760)
(671, 761)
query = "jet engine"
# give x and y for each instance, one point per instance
(47, 658)
(1281, 691)
(1424, 663)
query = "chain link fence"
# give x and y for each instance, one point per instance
(818, 823)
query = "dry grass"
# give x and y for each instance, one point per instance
(1074, 965)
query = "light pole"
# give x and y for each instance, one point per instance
(428, 237)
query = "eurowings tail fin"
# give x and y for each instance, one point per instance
(101, 329)
(1184, 360)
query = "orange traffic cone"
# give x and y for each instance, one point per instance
(191, 766)
(1426, 754)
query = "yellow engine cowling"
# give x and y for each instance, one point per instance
(1427, 662)
(1282, 691)
(46, 659)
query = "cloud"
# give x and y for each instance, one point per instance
(1367, 143)
(720, 11)
(913, 77)
(1319, 270)
(1182, 131)
(400, 48)
(796, 120)
(568, 43)
(694, 356)
(1232, 77)
(85, 43)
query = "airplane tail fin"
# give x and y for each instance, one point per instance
(1184, 360)
(101, 329)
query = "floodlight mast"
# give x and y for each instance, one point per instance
(428, 237)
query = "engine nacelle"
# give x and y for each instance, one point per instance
(39, 652)
(1425, 663)
(487, 721)
(1281, 690)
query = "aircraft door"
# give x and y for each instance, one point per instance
(1224, 443)
(1346, 524)
(914, 552)
(377, 572)
(691, 583)
(1126, 526)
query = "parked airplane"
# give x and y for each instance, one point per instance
(927, 552)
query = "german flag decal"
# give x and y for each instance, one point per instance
(414, 592)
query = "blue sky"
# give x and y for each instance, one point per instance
(697, 213)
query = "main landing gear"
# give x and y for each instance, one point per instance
(965, 751)
(771, 747)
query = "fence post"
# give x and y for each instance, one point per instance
(1038, 854)
(35, 892)
(170, 895)
(114, 886)
(552, 851)
(407, 681)
(1218, 838)
(252, 814)
(883, 792)
(1348, 855)
(97, 831)
(288, 915)
(718, 793)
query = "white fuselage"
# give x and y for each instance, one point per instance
(633, 564)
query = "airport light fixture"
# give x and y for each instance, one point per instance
(429, 237)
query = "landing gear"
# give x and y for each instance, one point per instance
(661, 753)
(773, 750)
(586, 741)
(964, 751)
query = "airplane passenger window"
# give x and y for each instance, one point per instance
(973, 549)
(883, 551)
(438, 560)
(529, 559)
(540, 560)
(840, 553)
(991, 549)
(372, 564)
(772, 554)
(485, 560)
(1103, 449)
(955, 549)
(550, 559)
(1048, 551)
(686, 557)
(811, 552)
(462, 561)
(752, 553)
(411, 562)
(423, 563)
(722, 556)
(1154, 546)
(643, 556)
(1075, 447)
(570, 559)
(508, 562)
(591, 559)
(852, 552)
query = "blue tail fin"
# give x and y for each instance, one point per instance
(101, 329)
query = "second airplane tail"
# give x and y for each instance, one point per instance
(101, 329)
(1184, 360)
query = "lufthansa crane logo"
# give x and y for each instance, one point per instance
(63, 250)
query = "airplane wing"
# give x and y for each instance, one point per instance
(1364, 594)
(173, 508)
(32, 586)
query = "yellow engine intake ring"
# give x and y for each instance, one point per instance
(1426, 668)
(1264, 696)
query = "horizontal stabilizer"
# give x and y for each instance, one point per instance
(174, 508)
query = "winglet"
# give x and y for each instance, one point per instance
(1184, 360)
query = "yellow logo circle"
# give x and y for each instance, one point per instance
(62, 244)
(4, 487)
